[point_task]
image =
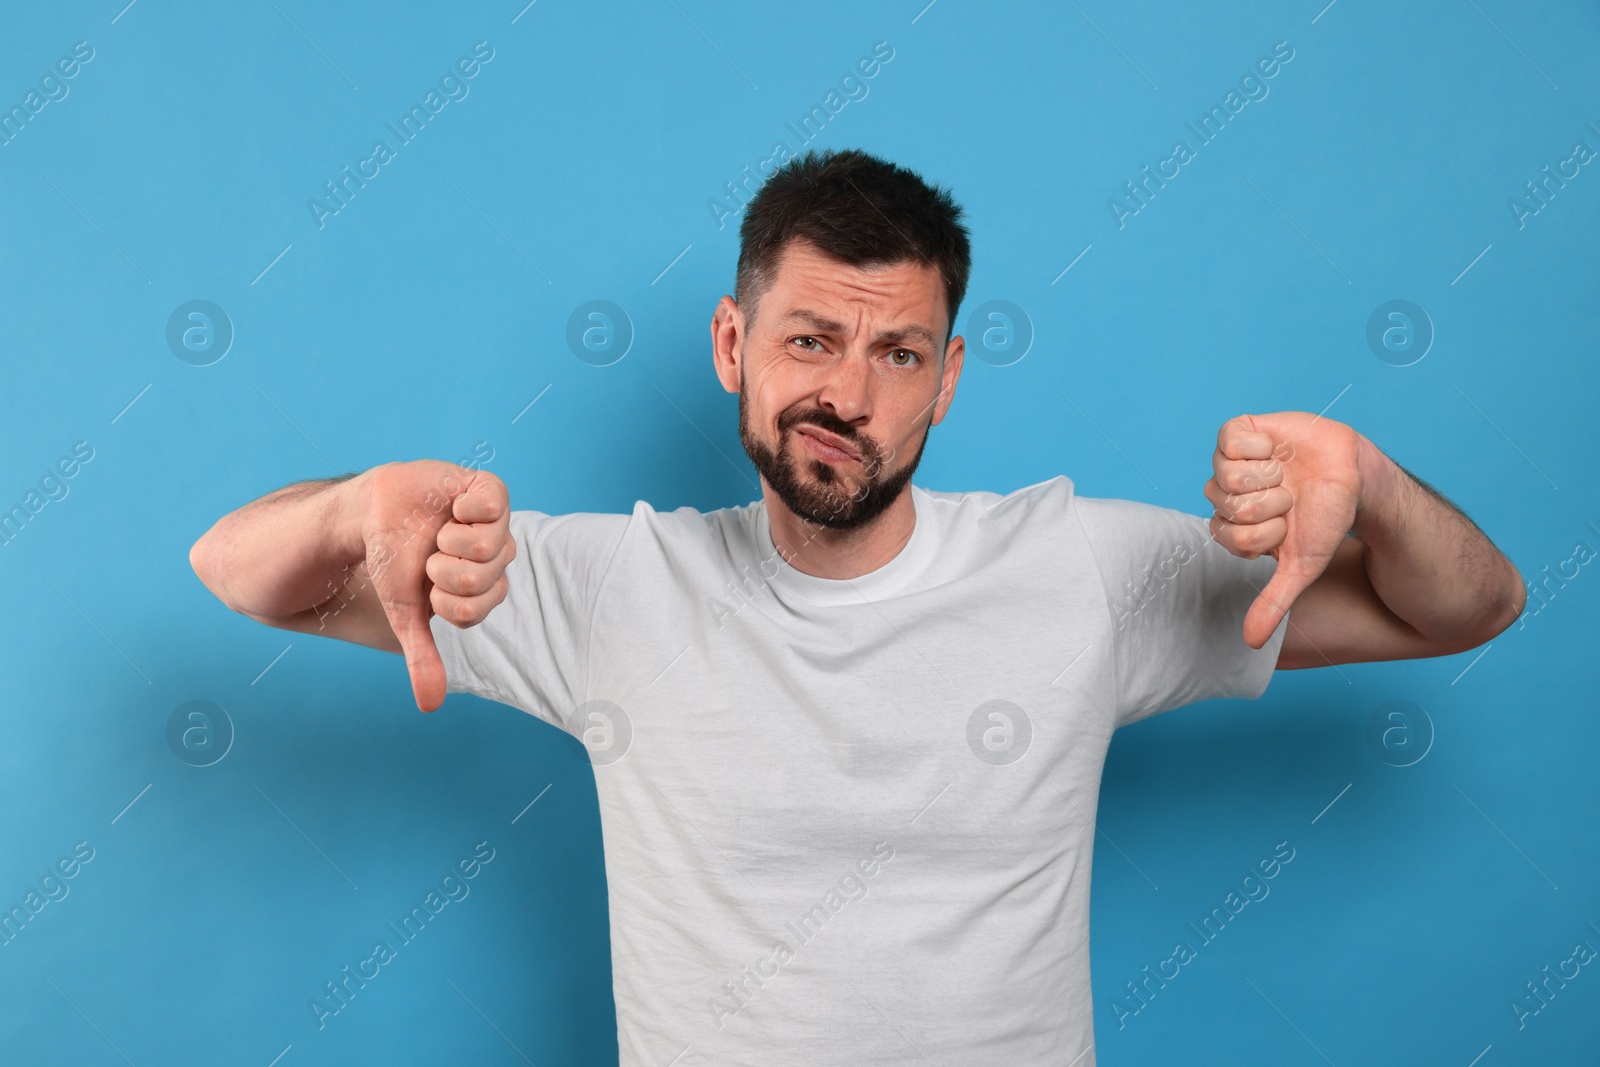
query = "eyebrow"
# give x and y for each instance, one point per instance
(823, 324)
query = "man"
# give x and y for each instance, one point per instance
(848, 738)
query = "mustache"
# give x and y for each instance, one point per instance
(822, 419)
(872, 455)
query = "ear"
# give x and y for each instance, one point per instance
(954, 353)
(727, 337)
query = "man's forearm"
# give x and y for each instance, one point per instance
(284, 553)
(1427, 561)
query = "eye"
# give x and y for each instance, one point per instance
(904, 351)
(813, 340)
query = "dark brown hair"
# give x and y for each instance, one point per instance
(856, 208)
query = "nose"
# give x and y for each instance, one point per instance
(847, 390)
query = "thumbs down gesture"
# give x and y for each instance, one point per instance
(1284, 485)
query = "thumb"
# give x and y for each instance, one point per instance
(1274, 602)
(410, 625)
(401, 584)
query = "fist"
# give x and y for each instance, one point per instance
(1285, 485)
(438, 540)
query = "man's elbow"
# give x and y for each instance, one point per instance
(198, 562)
(204, 566)
(1501, 610)
(1516, 599)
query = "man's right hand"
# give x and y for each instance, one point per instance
(438, 541)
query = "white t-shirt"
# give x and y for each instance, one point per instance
(851, 821)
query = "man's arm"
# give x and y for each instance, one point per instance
(1418, 578)
(1376, 564)
(369, 558)
(296, 559)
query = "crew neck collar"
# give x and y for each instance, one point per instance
(796, 585)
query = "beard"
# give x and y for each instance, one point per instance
(821, 492)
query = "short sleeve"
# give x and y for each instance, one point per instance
(531, 651)
(1177, 601)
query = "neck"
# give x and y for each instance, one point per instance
(840, 554)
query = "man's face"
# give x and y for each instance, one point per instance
(839, 356)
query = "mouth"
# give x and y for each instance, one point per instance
(827, 446)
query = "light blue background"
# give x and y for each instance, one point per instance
(429, 312)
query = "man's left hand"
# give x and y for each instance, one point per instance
(1285, 485)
